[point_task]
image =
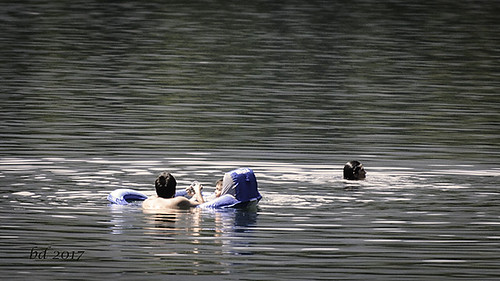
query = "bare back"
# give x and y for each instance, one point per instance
(170, 203)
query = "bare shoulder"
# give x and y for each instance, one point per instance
(170, 203)
(149, 203)
(183, 203)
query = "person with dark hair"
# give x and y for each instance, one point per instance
(165, 189)
(165, 185)
(354, 170)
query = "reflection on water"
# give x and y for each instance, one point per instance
(425, 221)
(187, 242)
(98, 96)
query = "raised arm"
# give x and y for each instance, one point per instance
(197, 198)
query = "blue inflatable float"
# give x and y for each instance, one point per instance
(239, 190)
(125, 196)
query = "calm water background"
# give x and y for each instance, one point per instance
(97, 96)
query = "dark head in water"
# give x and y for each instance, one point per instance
(165, 185)
(353, 170)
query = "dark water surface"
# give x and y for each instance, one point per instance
(98, 96)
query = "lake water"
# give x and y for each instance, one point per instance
(98, 96)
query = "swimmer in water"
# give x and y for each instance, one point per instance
(165, 189)
(354, 170)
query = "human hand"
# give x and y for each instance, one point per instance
(197, 187)
(194, 188)
(190, 191)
